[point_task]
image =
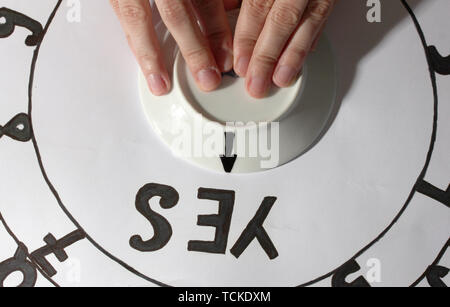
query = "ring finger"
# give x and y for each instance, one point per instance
(302, 42)
(282, 20)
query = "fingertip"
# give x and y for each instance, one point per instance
(208, 79)
(158, 83)
(257, 86)
(284, 76)
(224, 59)
(241, 65)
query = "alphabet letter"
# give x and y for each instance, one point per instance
(162, 229)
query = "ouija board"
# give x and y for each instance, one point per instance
(90, 196)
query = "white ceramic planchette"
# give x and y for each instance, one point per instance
(227, 129)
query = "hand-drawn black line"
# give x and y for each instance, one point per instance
(433, 192)
(14, 19)
(41, 165)
(440, 64)
(363, 250)
(18, 128)
(221, 221)
(55, 247)
(434, 272)
(339, 276)
(24, 250)
(428, 157)
(19, 263)
(161, 227)
(255, 230)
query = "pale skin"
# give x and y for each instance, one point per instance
(270, 45)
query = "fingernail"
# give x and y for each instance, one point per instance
(224, 59)
(258, 86)
(208, 79)
(284, 75)
(241, 66)
(157, 84)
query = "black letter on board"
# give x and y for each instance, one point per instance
(162, 229)
(435, 274)
(338, 279)
(255, 229)
(19, 263)
(55, 247)
(221, 221)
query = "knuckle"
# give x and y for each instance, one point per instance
(259, 7)
(173, 11)
(148, 62)
(298, 52)
(114, 4)
(285, 17)
(218, 35)
(265, 59)
(319, 10)
(245, 44)
(245, 40)
(134, 14)
(196, 56)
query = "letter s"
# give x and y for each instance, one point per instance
(162, 229)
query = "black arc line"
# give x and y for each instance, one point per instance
(126, 266)
(429, 154)
(44, 173)
(19, 127)
(25, 249)
(434, 264)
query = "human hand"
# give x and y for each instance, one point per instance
(206, 49)
(273, 38)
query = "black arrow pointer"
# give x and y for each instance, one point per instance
(228, 159)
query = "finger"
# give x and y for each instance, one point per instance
(249, 26)
(282, 20)
(293, 58)
(135, 17)
(231, 4)
(217, 31)
(179, 17)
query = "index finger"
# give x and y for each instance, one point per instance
(136, 19)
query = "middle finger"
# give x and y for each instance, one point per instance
(249, 25)
(179, 17)
(282, 21)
